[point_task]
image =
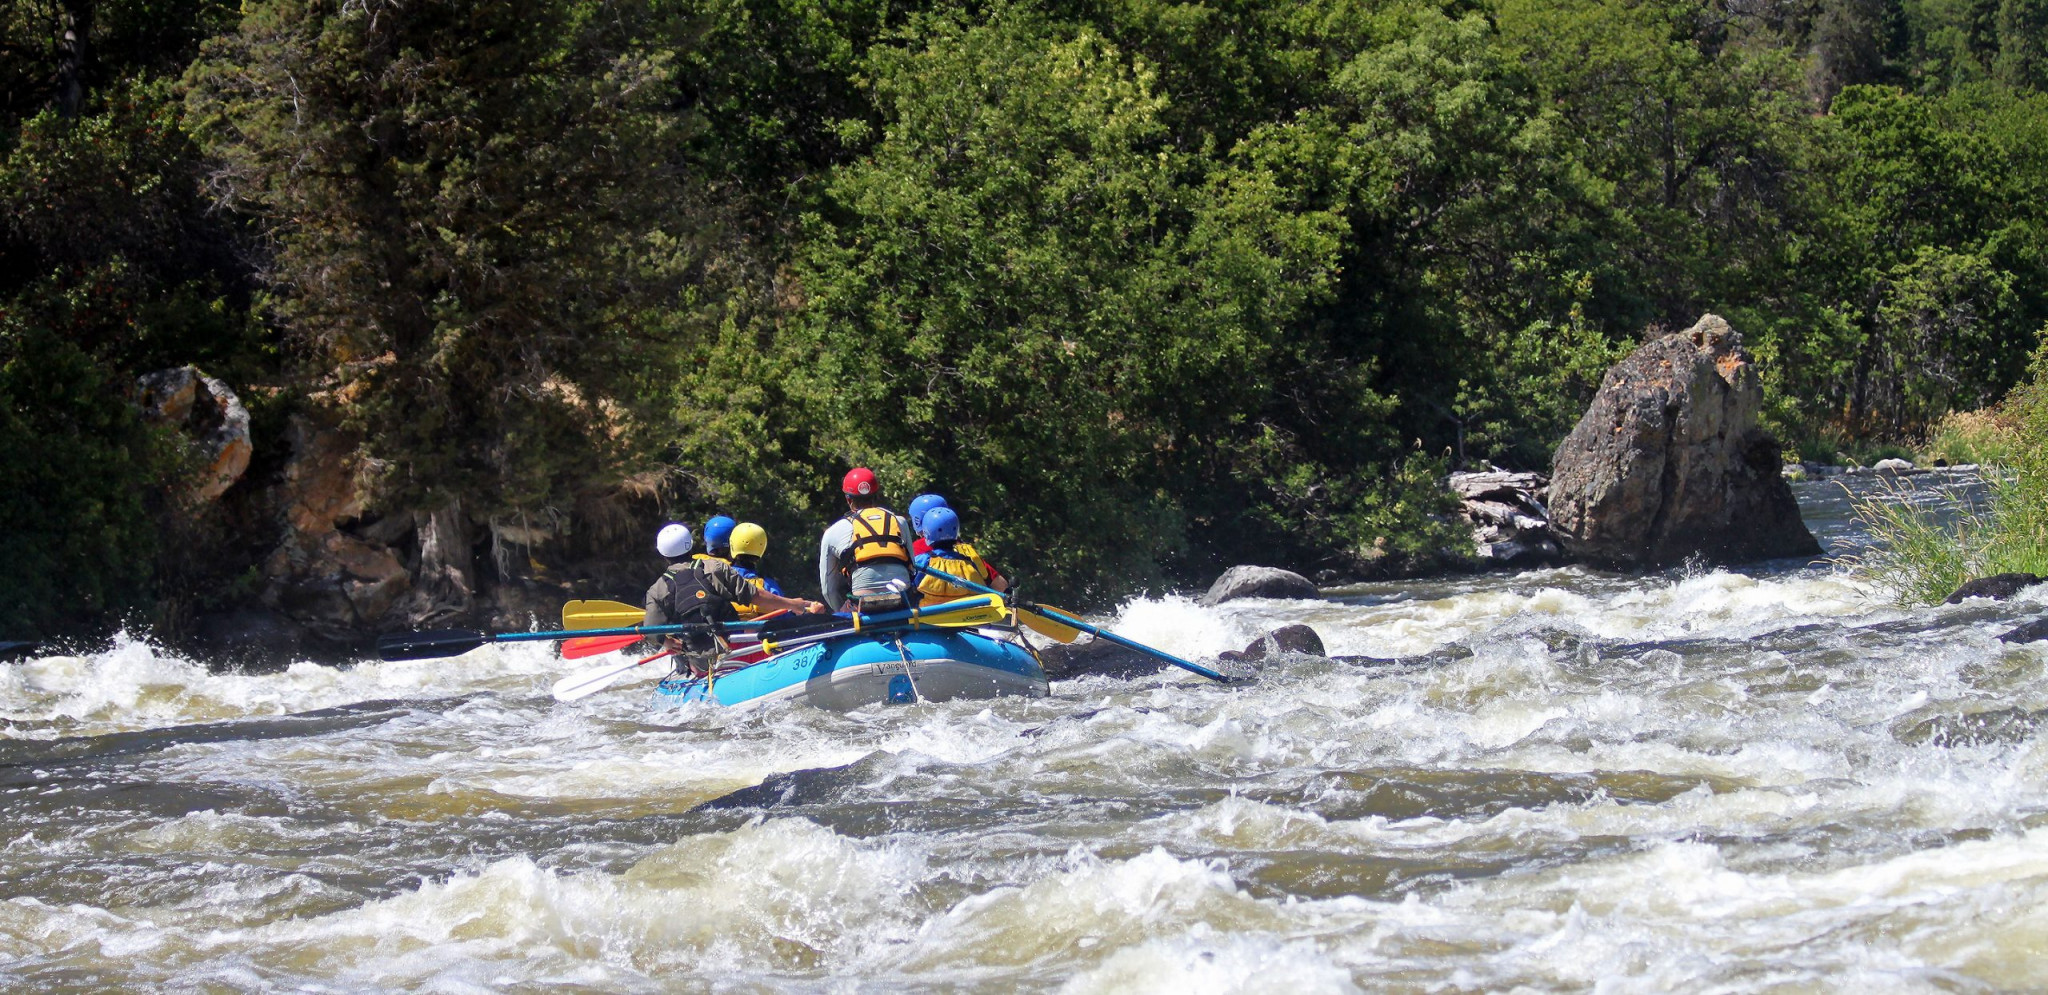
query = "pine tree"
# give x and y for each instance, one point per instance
(474, 227)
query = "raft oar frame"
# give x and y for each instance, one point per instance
(805, 631)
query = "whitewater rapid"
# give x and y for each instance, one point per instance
(1764, 780)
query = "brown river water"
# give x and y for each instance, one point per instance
(1708, 781)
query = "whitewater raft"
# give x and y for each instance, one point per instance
(855, 670)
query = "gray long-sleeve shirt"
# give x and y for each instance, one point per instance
(868, 578)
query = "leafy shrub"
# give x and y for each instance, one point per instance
(1982, 436)
(1927, 548)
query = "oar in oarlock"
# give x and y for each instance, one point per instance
(586, 646)
(951, 615)
(1063, 618)
(964, 613)
(586, 683)
(430, 645)
(437, 643)
(778, 635)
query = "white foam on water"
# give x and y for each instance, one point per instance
(209, 832)
(1242, 824)
(135, 685)
(1718, 603)
(1093, 908)
(785, 895)
(1202, 962)
(1182, 626)
(1675, 915)
(1715, 604)
(1154, 835)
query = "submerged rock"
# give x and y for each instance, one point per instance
(2032, 632)
(1669, 463)
(1438, 657)
(1097, 656)
(1297, 639)
(1107, 659)
(1259, 582)
(1997, 587)
(1998, 725)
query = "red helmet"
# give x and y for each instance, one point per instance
(860, 481)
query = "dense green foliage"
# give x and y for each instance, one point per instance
(1927, 542)
(475, 234)
(1148, 287)
(81, 538)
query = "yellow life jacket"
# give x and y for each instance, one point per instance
(760, 583)
(708, 556)
(876, 536)
(961, 561)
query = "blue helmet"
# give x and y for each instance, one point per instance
(921, 504)
(718, 531)
(941, 525)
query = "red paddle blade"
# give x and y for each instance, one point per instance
(582, 646)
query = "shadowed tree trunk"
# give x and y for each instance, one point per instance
(75, 19)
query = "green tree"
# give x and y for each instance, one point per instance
(1027, 298)
(478, 242)
(78, 474)
(105, 235)
(2022, 60)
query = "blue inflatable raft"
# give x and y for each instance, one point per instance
(855, 670)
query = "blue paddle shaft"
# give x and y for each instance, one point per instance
(634, 630)
(1058, 616)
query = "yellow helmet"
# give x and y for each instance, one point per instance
(749, 539)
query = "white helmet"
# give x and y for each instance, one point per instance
(673, 540)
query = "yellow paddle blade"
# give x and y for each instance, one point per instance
(969, 612)
(988, 615)
(580, 615)
(1059, 632)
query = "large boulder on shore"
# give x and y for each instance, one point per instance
(1669, 462)
(1259, 582)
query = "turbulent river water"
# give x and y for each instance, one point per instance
(1760, 780)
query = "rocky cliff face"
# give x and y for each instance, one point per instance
(344, 568)
(209, 413)
(1669, 462)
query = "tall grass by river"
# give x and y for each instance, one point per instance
(1930, 540)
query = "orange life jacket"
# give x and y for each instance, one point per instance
(877, 535)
